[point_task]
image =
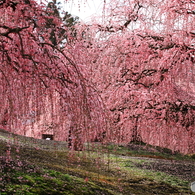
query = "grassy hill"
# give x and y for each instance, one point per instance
(30, 166)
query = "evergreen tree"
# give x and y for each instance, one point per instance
(68, 22)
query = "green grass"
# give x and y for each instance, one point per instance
(153, 175)
(101, 169)
(34, 180)
(158, 153)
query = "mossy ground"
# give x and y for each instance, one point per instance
(100, 169)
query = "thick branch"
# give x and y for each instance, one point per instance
(11, 30)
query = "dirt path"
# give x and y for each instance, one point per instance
(182, 169)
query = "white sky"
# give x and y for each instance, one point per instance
(84, 9)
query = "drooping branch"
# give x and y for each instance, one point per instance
(133, 16)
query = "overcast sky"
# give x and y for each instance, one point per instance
(83, 8)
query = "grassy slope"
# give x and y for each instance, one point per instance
(98, 170)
